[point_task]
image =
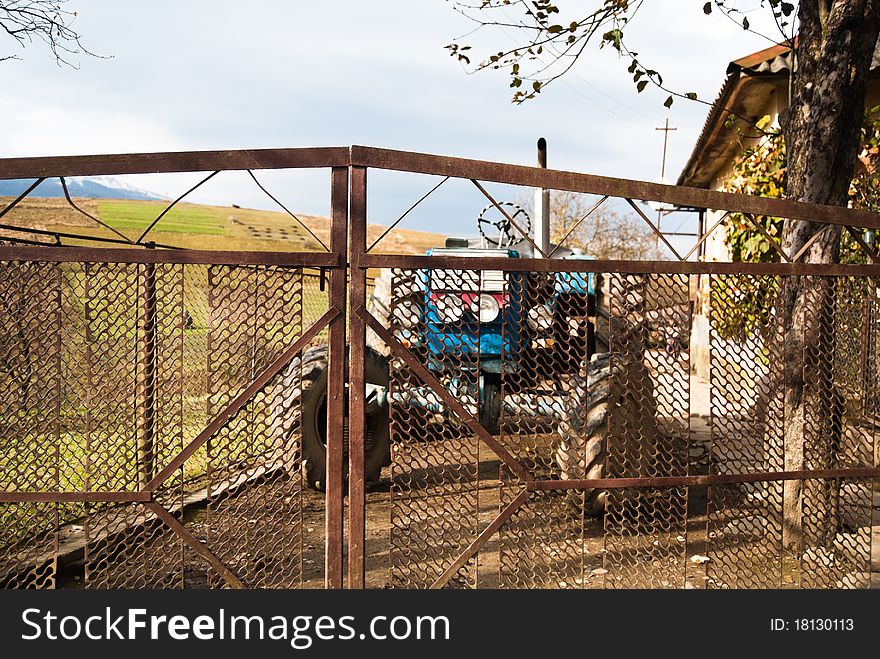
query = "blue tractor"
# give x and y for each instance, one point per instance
(507, 344)
(531, 330)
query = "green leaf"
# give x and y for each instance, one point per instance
(641, 86)
(632, 67)
(691, 95)
(707, 9)
(553, 29)
(614, 37)
(764, 122)
(653, 74)
(668, 102)
(787, 8)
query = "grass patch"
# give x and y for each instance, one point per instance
(183, 218)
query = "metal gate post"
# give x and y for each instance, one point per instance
(334, 538)
(147, 367)
(357, 386)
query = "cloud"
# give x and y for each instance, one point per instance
(208, 75)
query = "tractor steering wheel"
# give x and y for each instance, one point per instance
(504, 232)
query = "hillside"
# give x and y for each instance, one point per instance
(86, 187)
(194, 226)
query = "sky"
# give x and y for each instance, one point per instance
(201, 74)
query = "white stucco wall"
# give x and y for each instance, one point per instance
(715, 248)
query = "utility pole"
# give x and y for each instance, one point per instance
(666, 129)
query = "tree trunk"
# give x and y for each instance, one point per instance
(822, 127)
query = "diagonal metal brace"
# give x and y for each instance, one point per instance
(454, 404)
(196, 545)
(242, 399)
(481, 539)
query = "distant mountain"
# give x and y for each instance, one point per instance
(91, 187)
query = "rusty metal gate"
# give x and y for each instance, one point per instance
(150, 408)
(150, 411)
(602, 473)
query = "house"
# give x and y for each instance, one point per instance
(756, 86)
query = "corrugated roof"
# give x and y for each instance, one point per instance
(763, 57)
(755, 71)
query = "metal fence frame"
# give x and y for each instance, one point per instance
(361, 258)
(333, 321)
(347, 262)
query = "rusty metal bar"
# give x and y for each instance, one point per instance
(516, 226)
(148, 367)
(865, 335)
(76, 236)
(704, 235)
(655, 229)
(174, 203)
(25, 241)
(869, 251)
(481, 539)
(335, 507)
(770, 239)
(640, 267)
(357, 241)
(535, 177)
(287, 210)
(174, 161)
(576, 225)
(194, 256)
(242, 399)
(89, 215)
(451, 401)
(198, 547)
(59, 497)
(407, 212)
(12, 204)
(143, 163)
(693, 481)
(809, 243)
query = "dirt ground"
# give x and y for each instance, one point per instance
(271, 534)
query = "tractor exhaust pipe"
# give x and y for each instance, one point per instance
(542, 206)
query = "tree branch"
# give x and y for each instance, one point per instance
(46, 21)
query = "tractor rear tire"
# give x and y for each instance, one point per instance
(581, 454)
(313, 419)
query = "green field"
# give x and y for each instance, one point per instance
(197, 226)
(183, 218)
(100, 342)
